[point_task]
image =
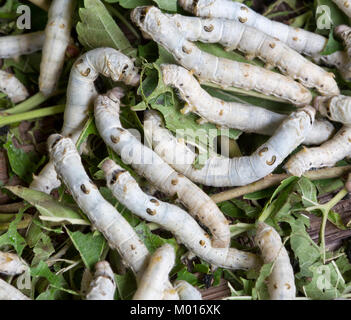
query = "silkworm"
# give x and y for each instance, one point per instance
(9, 292)
(345, 6)
(255, 43)
(186, 291)
(281, 282)
(224, 172)
(300, 40)
(207, 67)
(103, 216)
(337, 108)
(327, 155)
(11, 264)
(14, 46)
(174, 219)
(57, 37)
(155, 277)
(12, 87)
(344, 33)
(235, 115)
(149, 165)
(103, 285)
(80, 96)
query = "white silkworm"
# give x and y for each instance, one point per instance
(11, 264)
(104, 217)
(80, 96)
(11, 86)
(327, 155)
(344, 33)
(149, 165)
(298, 39)
(345, 6)
(57, 37)
(186, 291)
(103, 286)
(174, 219)
(235, 115)
(225, 172)
(155, 278)
(281, 282)
(337, 108)
(255, 43)
(207, 67)
(14, 46)
(9, 292)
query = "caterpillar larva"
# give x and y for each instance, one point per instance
(155, 277)
(225, 172)
(254, 43)
(344, 33)
(11, 264)
(104, 217)
(57, 37)
(174, 219)
(207, 67)
(11, 86)
(14, 46)
(344, 5)
(327, 155)
(186, 291)
(298, 39)
(337, 108)
(9, 292)
(148, 164)
(235, 115)
(80, 96)
(281, 282)
(103, 285)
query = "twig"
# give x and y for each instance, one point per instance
(31, 115)
(275, 179)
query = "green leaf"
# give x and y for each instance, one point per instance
(185, 275)
(126, 286)
(308, 192)
(12, 237)
(89, 129)
(261, 291)
(98, 29)
(43, 249)
(332, 45)
(23, 164)
(49, 208)
(153, 241)
(90, 246)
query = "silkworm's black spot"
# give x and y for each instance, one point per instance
(155, 202)
(56, 142)
(242, 20)
(272, 162)
(174, 182)
(202, 243)
(84, 189)
(186, 50)
(114, 139)
(150, 212)
(209, 28)
(125, 68)
(115, 175)
(120, 129)
(262, 151)
(143, 13)
(181, 84)
(86, 72)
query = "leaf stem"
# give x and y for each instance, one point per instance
(115, 12)
(276, 179)
(44, 112)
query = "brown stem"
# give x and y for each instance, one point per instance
(11, 208)
(275, 179)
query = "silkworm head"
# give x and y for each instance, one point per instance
(53, 140)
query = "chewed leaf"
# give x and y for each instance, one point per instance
(98, 29)
(49, 208)
(90, 246)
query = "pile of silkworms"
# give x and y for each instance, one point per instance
(235, 27)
